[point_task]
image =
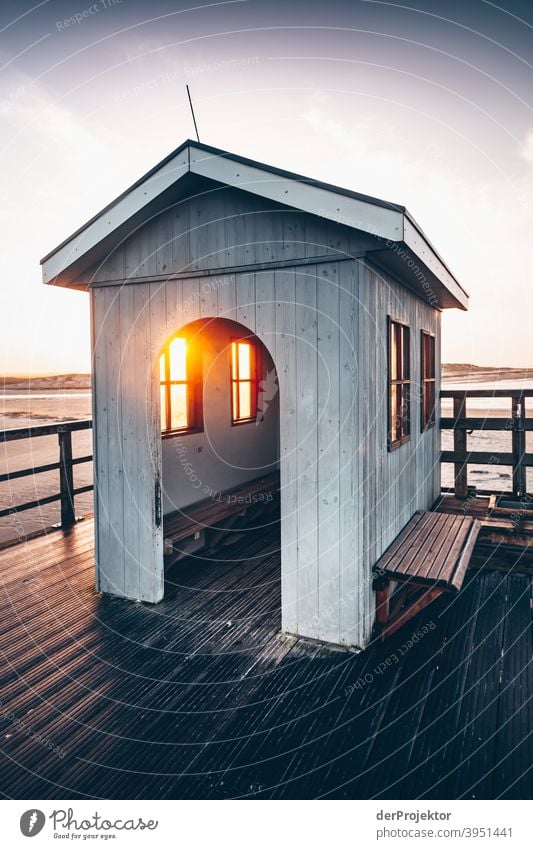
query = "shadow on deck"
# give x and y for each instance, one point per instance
(199, 698)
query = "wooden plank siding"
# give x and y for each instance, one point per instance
(344, 495)
(225, 228)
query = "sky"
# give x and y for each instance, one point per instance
(426, 104)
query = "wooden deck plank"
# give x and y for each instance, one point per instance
(198, 697)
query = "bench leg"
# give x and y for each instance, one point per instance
(382, 603)
(403, 615)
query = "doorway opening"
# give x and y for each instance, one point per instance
(220, 432)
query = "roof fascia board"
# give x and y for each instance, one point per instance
(308, 197)
(421, 248)
(386, 221)
(409, 270)
(113, 217)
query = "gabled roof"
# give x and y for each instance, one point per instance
(403, 248)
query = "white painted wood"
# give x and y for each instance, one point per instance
(421, 249)
(358, 213)
(148, 450)
(116, 215)
(246, 301)
(284, 351)
(305, 449)
(213, 225)
(227, 296)
(129, 447)
(100, 453)
(351, 576)
(328, 461)
(344, 496)
(112, 575)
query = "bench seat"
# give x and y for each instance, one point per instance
(430, 556)
(213, 513)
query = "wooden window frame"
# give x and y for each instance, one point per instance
(193, 381)
(427, 421)
(404, 360)
(254, 380)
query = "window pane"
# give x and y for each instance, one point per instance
(163, 408)
(245, 400)
(245, 371)
(394, 410)
(393, 352)
(425, 355)
(162, 367)
(235, 401)
(429, 403)
(404, 413)
(178, 354)
(234, 373)
(405, 353)
(178, 406)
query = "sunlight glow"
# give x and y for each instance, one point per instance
(245, 400)
(178, 359)
(174, 387)
(244, 361)
(241, 375)
(178, 406)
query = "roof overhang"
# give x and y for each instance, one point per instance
(404, 244)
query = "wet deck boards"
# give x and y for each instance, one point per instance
(198, 698)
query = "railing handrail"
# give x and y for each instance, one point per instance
(517, 424)
(65, 466)
(44, 430)
(486, 393)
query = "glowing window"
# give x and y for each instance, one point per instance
(399, 384)
(179, 408)
(243, 381)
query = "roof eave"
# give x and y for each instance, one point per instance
(389, 222)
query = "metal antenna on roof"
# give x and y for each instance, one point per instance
(192, 111)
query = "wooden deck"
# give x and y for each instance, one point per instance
(198, 697)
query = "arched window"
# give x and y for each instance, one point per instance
(181, 388)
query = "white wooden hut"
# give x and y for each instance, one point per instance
(331, 295)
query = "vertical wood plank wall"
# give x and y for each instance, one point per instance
(344, 496)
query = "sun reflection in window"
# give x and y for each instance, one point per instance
(174, 386)
(242, 381)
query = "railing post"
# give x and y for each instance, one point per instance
(459, 446)
(66, 478)
(519, 445)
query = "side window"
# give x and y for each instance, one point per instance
(399, 378)
(427, 372)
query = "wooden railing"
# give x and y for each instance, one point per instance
(65, 466)
(517, 423)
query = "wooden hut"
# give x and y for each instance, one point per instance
(247, 320)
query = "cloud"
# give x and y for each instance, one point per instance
(526, 151)
(479, 221)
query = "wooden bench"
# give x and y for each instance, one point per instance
(429, 557)
(221, 514)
